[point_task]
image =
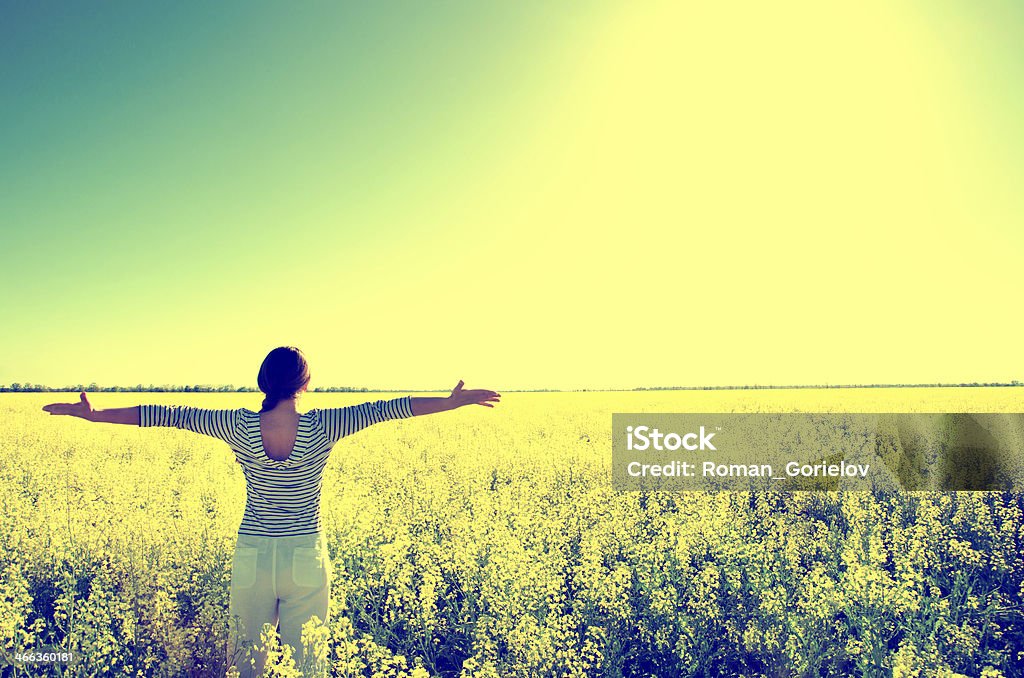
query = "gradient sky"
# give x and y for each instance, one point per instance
(521, 195)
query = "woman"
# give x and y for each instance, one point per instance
(281, 573)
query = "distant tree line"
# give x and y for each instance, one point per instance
(1015, 382)
(93, 387)
(17, 387)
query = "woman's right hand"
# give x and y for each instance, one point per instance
(480, 396)
(83, 408)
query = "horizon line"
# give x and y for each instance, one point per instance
(92, 387)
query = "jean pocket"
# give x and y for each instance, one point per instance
(311, 567)
(243, 567)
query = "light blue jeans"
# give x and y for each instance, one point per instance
(275, 580)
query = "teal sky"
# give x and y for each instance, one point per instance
(415, 193)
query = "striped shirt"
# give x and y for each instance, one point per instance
(282, 497)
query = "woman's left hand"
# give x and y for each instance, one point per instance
(83, 408)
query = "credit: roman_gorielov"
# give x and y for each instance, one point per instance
(713, 470)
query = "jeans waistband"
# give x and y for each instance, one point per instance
(250, 540)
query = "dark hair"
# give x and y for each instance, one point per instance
(283, 374)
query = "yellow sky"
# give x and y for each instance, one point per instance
(608, 196)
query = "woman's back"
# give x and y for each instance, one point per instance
(279, 432)
(282, 487)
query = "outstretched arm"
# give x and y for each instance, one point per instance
(83, 409)
(339, 422)
(458, 398)
(222, 424)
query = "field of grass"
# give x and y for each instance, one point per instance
(489, 543)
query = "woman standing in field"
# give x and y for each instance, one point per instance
(281, 573)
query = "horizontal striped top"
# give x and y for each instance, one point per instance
(282, 496)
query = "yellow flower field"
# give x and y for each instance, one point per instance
(487, 542)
